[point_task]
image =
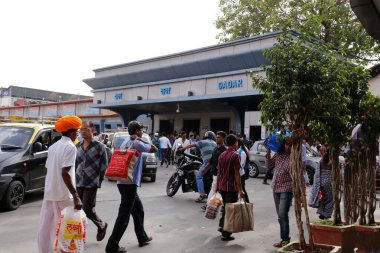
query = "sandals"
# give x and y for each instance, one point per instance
(280, 244)
(201, 198)
(228, 238)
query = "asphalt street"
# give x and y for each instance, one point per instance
(177, 224)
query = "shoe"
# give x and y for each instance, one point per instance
(321, 217)
(101, 232)
(220, 230)
(167, 165)
(204, 208)
(119, 250)
(280, 244)
(265, 182)
(201, 198)
(228, 238)
(146, 242)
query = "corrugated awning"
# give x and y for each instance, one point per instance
(368, 12)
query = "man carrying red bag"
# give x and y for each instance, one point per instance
(130, 201)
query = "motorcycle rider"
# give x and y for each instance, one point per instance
(207, 146)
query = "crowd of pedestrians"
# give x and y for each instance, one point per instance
(75, 172)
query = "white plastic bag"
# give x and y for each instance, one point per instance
(71, 231)
(213, 206)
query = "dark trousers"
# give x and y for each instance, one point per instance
(228, 197)
(130, 204)
(282, 200)
(246, 198)
(268, 174)
(88, 198)
(164, 153)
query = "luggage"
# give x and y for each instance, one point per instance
(123, 164)
(275, 141)
(213, 206)
(238, 217)
(71, 231)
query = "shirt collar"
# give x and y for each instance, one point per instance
(65, 138)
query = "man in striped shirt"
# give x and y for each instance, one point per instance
(228, 179)
(282, 189)
(207, 146)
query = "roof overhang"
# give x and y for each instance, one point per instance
(368, 12)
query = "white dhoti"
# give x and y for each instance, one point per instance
(50, 213)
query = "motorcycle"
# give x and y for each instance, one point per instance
(185, 175)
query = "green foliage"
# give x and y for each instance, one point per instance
(370, 119)
(311, 87)
(331, 21)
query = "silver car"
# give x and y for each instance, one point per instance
(149, 167)
(257, 161)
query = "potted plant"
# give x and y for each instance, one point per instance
(353, 82)
(361, 174)
(302, 86)
(322, 248)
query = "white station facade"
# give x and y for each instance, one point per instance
(199, 90)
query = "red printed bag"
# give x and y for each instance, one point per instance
(122, 165)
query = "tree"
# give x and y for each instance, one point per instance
(360, 183)
(330, 21)
(306, 85)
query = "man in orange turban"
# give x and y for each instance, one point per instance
(67, 123)
(60, 191)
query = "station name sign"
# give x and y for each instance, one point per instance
(230, 84)
(118, 96)
(166, 91)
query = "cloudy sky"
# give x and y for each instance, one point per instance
(54, 45)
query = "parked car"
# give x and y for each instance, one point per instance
(149, 168)
(23, 154)
(258, 161)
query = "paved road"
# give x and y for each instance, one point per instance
(177, 224)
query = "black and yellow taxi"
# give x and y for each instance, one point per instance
(23, 153)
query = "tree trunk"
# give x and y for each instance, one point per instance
(336, 185)
(298, 185)
(371, 185)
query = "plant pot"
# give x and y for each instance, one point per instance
(343, 236)
(368, 238)
(319, 248)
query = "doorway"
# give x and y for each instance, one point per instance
(167, 126)
(255, 133)
(220, 125)
(191, 125)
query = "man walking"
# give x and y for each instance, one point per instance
(228, 180)
(60, 181)
(282, 189)
(165, 146)
(91, 164)
(130, 201)
(213, 163)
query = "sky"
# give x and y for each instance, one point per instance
(54, 45)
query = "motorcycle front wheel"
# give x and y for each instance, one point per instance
(173, 185)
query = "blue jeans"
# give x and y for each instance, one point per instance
(282, 200)
(199, 178)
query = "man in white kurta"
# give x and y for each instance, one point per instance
(59, 185)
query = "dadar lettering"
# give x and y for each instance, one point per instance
(230, 84)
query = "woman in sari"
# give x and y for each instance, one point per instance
(322, 184)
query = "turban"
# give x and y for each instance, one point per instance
(68, 122)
